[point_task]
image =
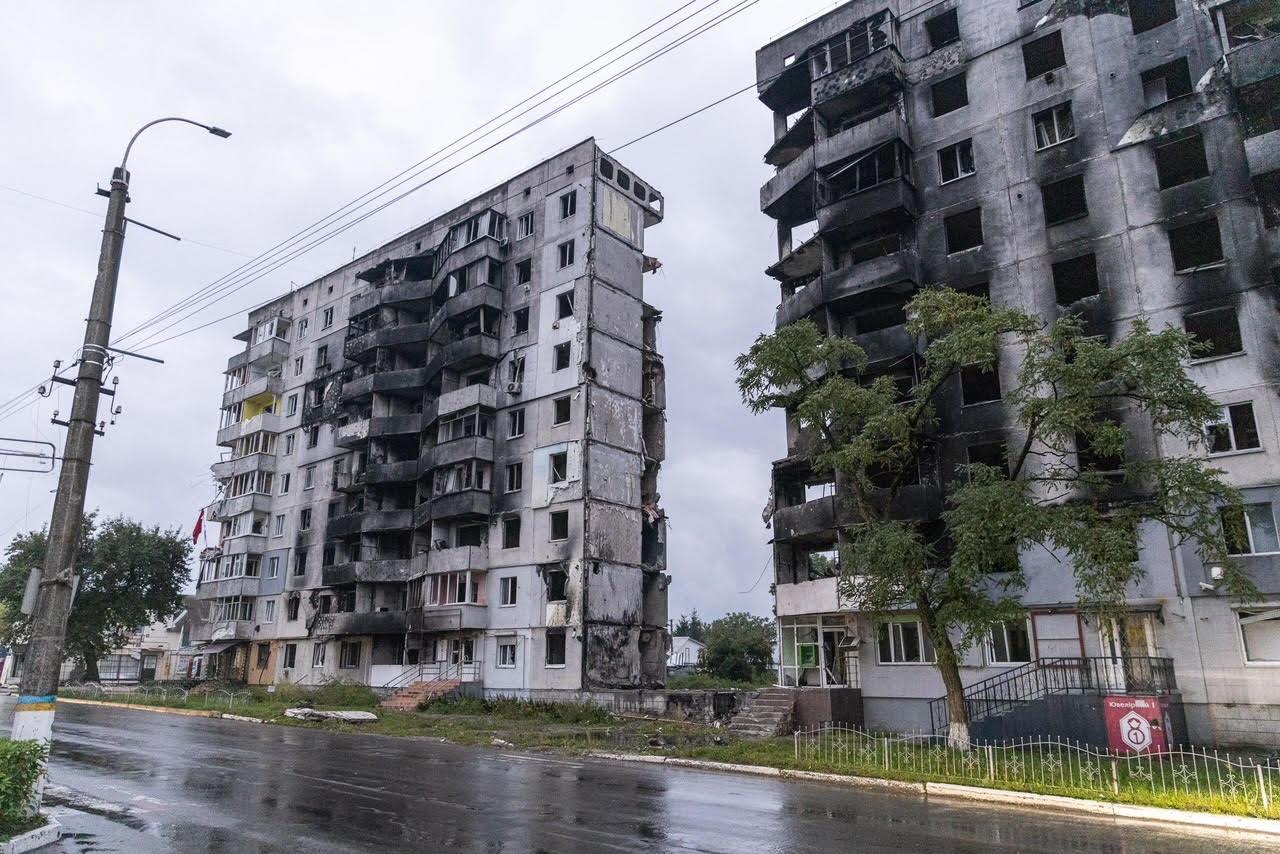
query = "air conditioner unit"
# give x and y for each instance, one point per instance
(514, 387)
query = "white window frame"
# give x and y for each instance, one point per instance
(317, 653)
(927, 655)
(569, 205)
(273, 567)
(298, 364)
(516, 469)
(515, 415)
(290, 409)
(1226, 419)
(277, 529)
(508, 591)
(286, 479)
(309, 477)
(951, 153)
(327, 318)
(505, 643)
(1248, 527)
(269, 611)
(524, 226)
(1057, 131)
(1003, 628)
(565, 254)
(303, 325)
(1262, 615)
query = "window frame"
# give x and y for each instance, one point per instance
(1053, 113)
(1054, 40)
(1009, 661)
(508, 591)
(1265, 615)
(556, 404)
(565, 254)
(1248, 529)
(515, 477)
(515, 421)
(569, 205)
(563, 645)
(1227, 420)
(350, 661)
(552, 518)
(924, 646)
(507, 642)
(953, 154)
(561, 357)
(524, 225)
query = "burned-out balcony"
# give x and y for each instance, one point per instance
(803, 301)
(486, 246)
(458, 559)
(486, 296)
(244, 465)
(456, 451)
(261, 386)
(396, 472)
(343, 525)
(888, 343)
(448, 618)
(380, 570)
(859, 66)
(1258, 60)
(877, 129)
(410, 296)
(367, 623)
(465, 503)
(845, 286)
(784, 90)
(388, 520)
(396, 425)
(796, 141)
(353, 434)
(803, 260)
(350, 481)
(884, 207)
(789, 194)
(406, 382)
(473, 352)
(407, 337)
(485, 396)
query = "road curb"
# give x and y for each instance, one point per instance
(1213, 821)
(50, 833)
(195, 713)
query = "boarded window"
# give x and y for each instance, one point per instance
(964, 230)
(1217, 332)
(1075, 279)
(979, 384)
(1064, 200)
(1181, 161)
(950, 94)
(1195, 244)
(943, 29)
(1148, 14)
(1044, 54)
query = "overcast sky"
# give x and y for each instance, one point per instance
(327, 100)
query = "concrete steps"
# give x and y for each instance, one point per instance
(410, 696)
(765, 715)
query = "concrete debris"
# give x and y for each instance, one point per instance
(498, 742)
(305, 714)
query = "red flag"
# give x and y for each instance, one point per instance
(195, 534)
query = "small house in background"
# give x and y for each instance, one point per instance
(685, 655)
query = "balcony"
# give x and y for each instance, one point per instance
(486, 246)
(798, 138)
(812, 520)
(485, 396)
(241, 586)
(368, 623)
(475, 351)
(388, 520)
(863, 136)
(253, 502)
(231, 630)
(353, 434)
(886, 206)
(892, 342)
(874, 274)
(408, 382)
(786, 92)
(458, 559)
(267, 353)
(456, 451)
(397, 472)
(380, 570)
(486, 296)
(803, 260)
(344, 525)
(789, 194)
(396, 425)
(468, 502)
(1255, 62)
(244, 465)
(349, 481)
(448, 618)
(869, 78)
(244, 544)
(409, 337)
(267, 385)
(267, 422)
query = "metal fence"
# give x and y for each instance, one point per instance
(143, 695)
(1189, 777)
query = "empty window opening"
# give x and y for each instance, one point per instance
(991, 454)
(1196, 244)
(558, 465)
(561, 410)
(511, 532)
(515, 477)
(1043, 55)
(1181, 161)
(349, 655)
(956, 161)
(963, 230)
(1235, 430)
(1075, 279)
(291, 650)
(943, 29)
(979, 384)
(555, 647)
(557, 585)
(520, 321)
(560, 357)
(949, 95)
(524, 271)
(873, 318)
(568, 204)
(606, 168)
(565, 251)
(564, 305)
(1217, 332)
(823, 564)
(1148, 14)
(1091, 458)
(1250, 529)
(1166, 82)
(559, 525)
(1053, 125)
(1064, 200)
(1247, 22)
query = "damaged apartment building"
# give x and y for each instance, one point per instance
(1117, 159)
(441, 460)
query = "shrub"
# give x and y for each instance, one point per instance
(338, 693)
(511, 708)
(21, 763)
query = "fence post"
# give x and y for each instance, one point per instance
(1115, 776)
(1262, 787)
(991, 762)
(795, 737)
(886, 753)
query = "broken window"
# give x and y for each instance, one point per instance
(520, 319)
(993, 454)
(1247, 22)
(524, 226)
(1250, 529)
(507, 650)
(565, 251)
(511, 532)
(1075, 279)
(979, 384)
(956, 161)
(558, 465)
(507, 590)
(873, 318)
(559, 525)
(1043, 55)
(297, 366)
(515, 477)
(291, 649)
(949, 95)
(560, 357)
(1196, 244)
(568, 204)
(1267, 186)
(1181, 161)
(1166, 82)
(322, 363)
(1148, 14)
(524, 271)
(349, 655)
(555, 647)
(327, 318)
(943, 29)
(903, 641)
(1064, 200)
(561, 410)
(557, 585)
(313, 435)
(1009, 642)
(1053, 125)
(515, 423)
(470, 535)
(1235, 430)
(963, 230)
(564, 305)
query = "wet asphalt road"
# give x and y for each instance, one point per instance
(132, 781)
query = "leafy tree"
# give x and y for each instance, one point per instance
(130, 576)
(1066, 483)
(739, 647)
(691, 626)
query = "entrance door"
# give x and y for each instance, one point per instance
(1128, 645)
(148, 671)
(833, 658)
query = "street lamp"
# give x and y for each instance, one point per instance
(33, 717)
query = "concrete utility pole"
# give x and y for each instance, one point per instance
(33, 717)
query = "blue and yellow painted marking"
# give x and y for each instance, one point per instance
(35, 703)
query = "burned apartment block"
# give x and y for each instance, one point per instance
(441, 460)
(1116, 159)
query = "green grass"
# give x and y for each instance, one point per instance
(12, 829)
(707, 682)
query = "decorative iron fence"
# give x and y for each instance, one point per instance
(1190, 778)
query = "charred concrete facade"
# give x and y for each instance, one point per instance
(442, 458)
(1117, 159)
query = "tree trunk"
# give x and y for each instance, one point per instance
(957, 710)
(90, 660)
